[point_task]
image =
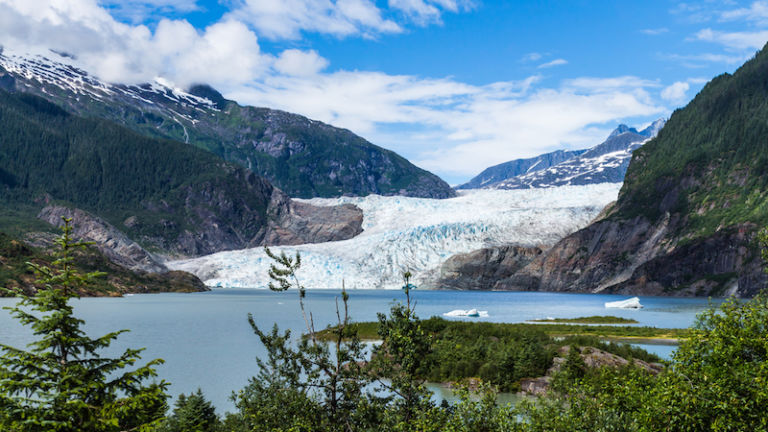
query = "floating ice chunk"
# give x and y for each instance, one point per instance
(632, 303)
(466, 313)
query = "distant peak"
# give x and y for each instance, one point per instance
(622, 128)
(653, 129)
(208, 92)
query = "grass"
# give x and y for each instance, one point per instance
(596, 319)
(368, 330)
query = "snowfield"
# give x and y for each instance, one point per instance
(416, 234)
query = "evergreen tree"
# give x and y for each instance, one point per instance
(193, 413)
(399, 360)
(62, 383)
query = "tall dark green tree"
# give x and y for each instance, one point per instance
(62, 382)
(193, 413)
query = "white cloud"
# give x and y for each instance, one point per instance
(655, 31)
(224, 54)
(735, 40)
(424, 12)
(757, 11)
(676, 93)
(701, 60)
(531, 57)
(137, 11)
(553, 63)
(286, 19)
(300, 63)
(460, 129)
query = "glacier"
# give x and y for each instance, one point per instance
(415, 234)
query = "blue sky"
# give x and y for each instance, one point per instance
(453, 85)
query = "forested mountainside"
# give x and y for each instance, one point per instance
(302, 157)
(687, 216)
(166, 195)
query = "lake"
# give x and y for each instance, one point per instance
(206, 341)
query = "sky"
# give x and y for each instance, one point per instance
(455, 86)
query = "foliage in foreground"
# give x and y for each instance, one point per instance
(62, 383)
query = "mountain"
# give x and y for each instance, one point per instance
(302, 157)
(687, 216)
(605, 163)
(498, 173)
(167, 196)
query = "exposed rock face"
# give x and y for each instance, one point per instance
(637, 257)
(111, 242)
(294, 222)
(483, 268)
(224, 223)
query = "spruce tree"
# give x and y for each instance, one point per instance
(61, 382)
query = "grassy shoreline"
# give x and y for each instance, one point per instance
(367, 331)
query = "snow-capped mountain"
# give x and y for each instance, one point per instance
(517, 167)
(605, 163)
(303, 157)
(418, 235)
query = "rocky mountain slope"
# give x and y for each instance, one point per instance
(606, 162)
(15, 273)
(302, 157)
(167, 196)
(686, 219)
(504, 171)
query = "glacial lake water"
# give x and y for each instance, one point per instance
(206, 341)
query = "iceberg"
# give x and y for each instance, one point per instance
(632, 303)
(473, 313)
(415, 234)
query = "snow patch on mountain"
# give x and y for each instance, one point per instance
(63, 72)
(416, 234)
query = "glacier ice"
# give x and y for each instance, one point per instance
(471, 313)
(630, 303)
(416, 234)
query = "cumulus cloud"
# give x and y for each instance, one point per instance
(553, 63)
(224, 54)
(676, 93)
(300, 63)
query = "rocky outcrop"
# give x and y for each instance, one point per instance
(592, 357)
(115, 245)
(483, 268)
(637, 257)
(294, 222)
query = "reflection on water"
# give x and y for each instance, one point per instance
(206, 341)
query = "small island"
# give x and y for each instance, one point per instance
(595, 319)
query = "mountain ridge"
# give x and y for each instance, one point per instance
(303, 157)
(604, 163)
